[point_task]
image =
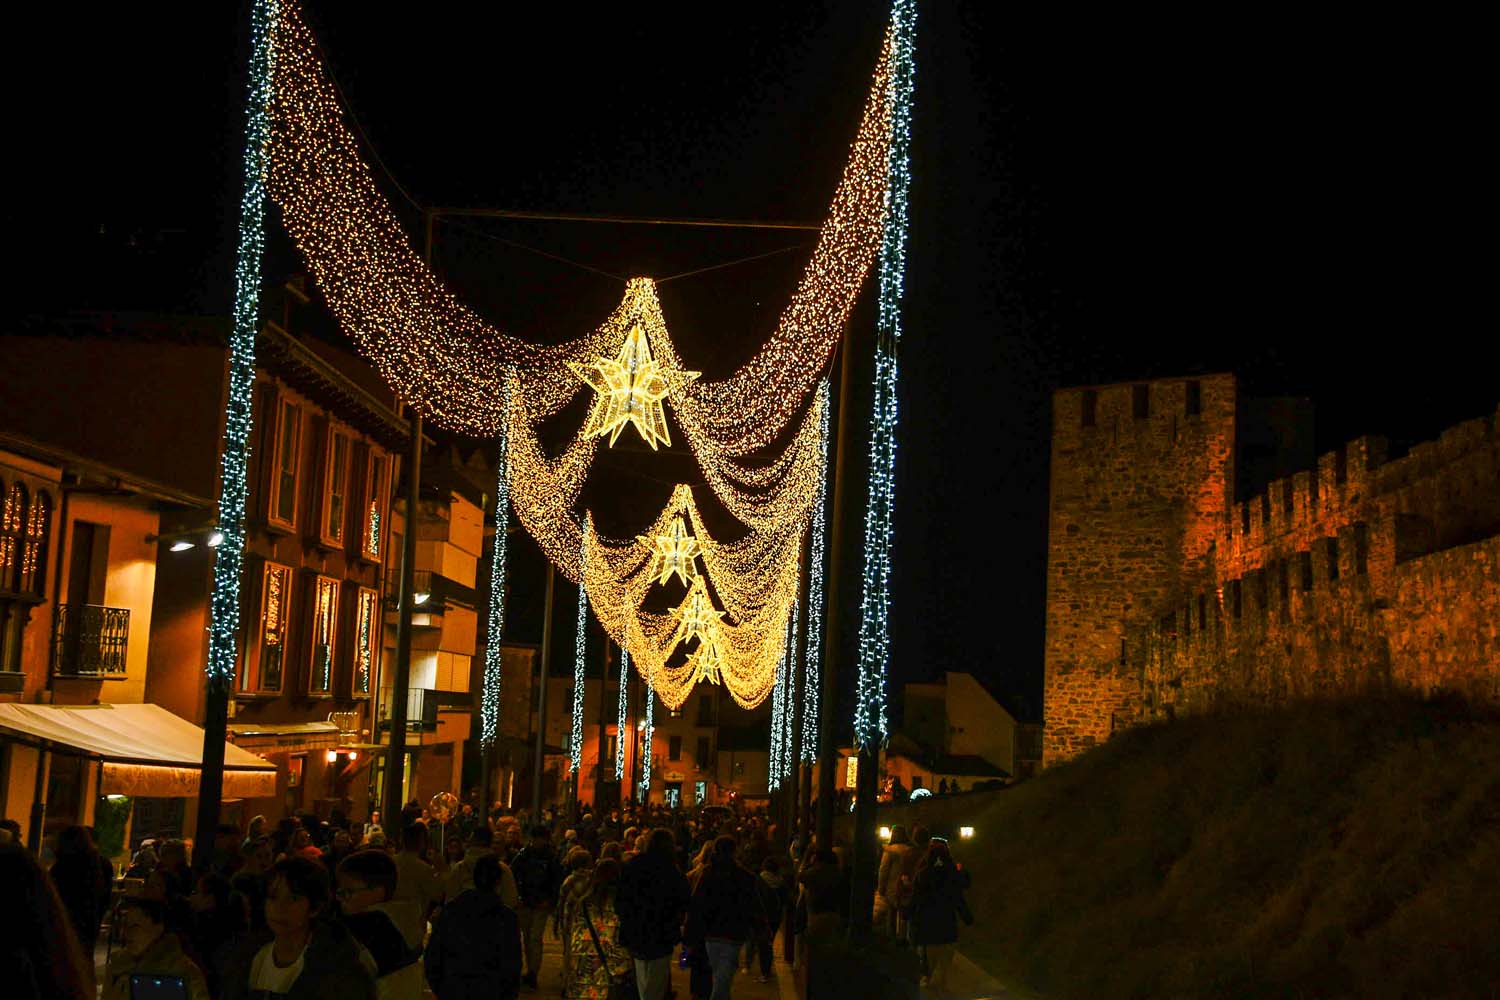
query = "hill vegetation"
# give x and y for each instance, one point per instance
(1322, 850)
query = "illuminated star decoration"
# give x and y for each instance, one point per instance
(631, 388)
(699, 619)
(674, 555)
(707, 660)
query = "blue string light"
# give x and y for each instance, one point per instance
(489, 705)
(229, 559)
(870, 724)
(813, 668)
(788, 698)
(620, 724)
(778, 709)
(579, 649)
(650, 729)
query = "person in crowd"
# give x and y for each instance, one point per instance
(599, 960)
(302, 846)
(475, 949)
(39, 949)
(220, 922)
(339, 848)
(906, 880)
(937, 904)
(224, 852)
(775, 899)
(83, 880)
(538, 876)
(250, 881)
(149, 949)
(418, 888)
(822, 901)
(613, 850)
(461, 875)
(725, 912)
(258, 828)
(366, 884)
(887, 882)
(11, 830)
(579, 865)
(142, 863)
(311, 956)
(652, 901)
(453, 853)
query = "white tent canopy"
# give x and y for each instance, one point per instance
(145, 749)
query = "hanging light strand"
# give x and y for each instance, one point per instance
(778, 710)
(620, 731)
(580, 649)
(229, 557)
(870, 723)
(646, 743)
(495, 623)
(813, 669)
(788, 697)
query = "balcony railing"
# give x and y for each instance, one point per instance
(421, 709)
(89, 640)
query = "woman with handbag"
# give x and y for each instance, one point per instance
(602, 969)
(937, 904)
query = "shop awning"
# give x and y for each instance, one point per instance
(145, 749)
(285, 737)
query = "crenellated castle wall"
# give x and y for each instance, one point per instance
(1165, 597)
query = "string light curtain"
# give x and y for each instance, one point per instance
(229, 557)
(489, 705)
(870, 724)
(817, 557)
(620, 731)
(650, 731)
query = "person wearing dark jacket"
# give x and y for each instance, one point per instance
(310, 957)
(651, 902)
(725, 911)
(83, 881)
(475, 949)
(937, 904)
(366, 881)
(538, 876)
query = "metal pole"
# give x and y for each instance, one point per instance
(599, 756)
(395, 768)
(541, 699)
(828, 737)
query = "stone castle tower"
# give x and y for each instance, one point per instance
(1142, 480)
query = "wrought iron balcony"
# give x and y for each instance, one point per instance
(421, 709)
(90, 640)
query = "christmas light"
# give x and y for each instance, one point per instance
(489, 705)
(650, 730)
(778, 709)
(812, 672)
(579, 649)
(631, 387)
(224, 617)
(620, 722)
(789, 715)
(675, 555)
(870, 724)
(697, 617)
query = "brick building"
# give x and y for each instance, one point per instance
(1165, 595)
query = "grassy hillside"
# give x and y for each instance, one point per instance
(1347, 850)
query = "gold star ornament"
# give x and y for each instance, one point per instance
(631, 387)
(674, 555)
(697, 618)
(707, 662)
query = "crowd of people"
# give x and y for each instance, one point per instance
(311, 909)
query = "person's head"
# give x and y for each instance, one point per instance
(301, 839)
(771, 864)
(257, 828)
(662, 844)
(724, 848)
(453, 848)
(487, 873)
(341, 841)
(144, 858)
(298, 893)
(414, 838)
(74, 842)
(938, 855)
(899, 835)
(173, 854)
(226, 838)
(603, 878)
(613, 849)
(540, 836)
(365, 879)
(921, 837)
(142, 922)
(578, 859)
(255, 856)
(513, 838)
(481, 837)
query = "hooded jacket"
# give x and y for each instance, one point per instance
(475, 949)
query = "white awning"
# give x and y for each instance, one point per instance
(285, 737)
(146, 750)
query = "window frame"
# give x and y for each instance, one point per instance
(329, 615)
(253, 668)
(32, 574)
(366, 599)
(326, 522)
(15, 502)
(284, 405)
(375, 523)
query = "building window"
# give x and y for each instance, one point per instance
(1361, 548)
(1090, 405)
(12, 533)
(366, 637)
(611, 749)
(335, 488)
(1333, 558)
(705, 709)
(916, 782)
(1194, 398)
(674, 748)
(1235, 590)
(703, 753)
(34, 545)
(1286, 497)
(851, 771)
(324, 631)
(1140, 401)
(288, 454)
(374, 521)
(1202, 611)
(1304, 563)
(700, 790)
(264, 667)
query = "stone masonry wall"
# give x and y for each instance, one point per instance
(1361, 574)
(1142, 477)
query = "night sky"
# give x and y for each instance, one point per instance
(1296, 200)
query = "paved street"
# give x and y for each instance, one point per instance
(745, 986)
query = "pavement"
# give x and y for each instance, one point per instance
(746, 987)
